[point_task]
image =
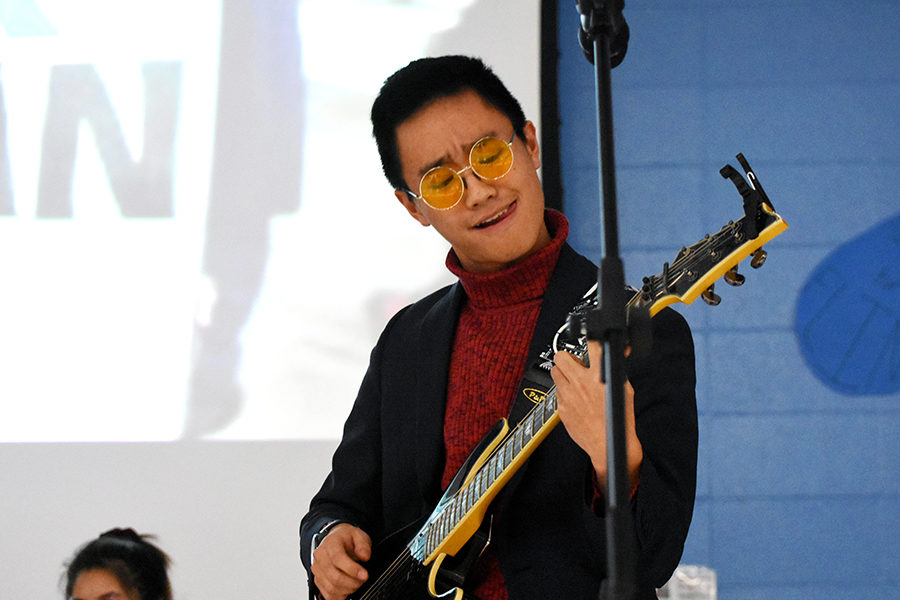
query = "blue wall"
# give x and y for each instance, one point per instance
(799, 370)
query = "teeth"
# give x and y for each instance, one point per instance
(493, 219)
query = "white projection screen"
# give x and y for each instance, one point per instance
(197, 253)
(196, 238)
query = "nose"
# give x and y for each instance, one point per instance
(477, 190)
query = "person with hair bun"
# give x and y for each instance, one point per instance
(118, 565)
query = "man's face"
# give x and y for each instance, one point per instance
(496, 223)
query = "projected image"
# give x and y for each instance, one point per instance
(196, 238)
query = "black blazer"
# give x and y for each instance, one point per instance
(386, 471)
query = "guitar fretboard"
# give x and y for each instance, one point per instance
(694, 269)
(514, 449)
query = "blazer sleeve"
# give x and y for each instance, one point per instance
(385, 472)
(666, 423)
(351, 492)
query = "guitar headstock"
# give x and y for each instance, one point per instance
(693, 273)
(696, 268)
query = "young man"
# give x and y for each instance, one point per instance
(463, 159)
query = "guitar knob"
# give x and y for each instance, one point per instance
(759, 258)
(710, 297)
(732, 277)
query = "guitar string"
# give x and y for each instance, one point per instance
(508, 439)
(690, 259)
(694, 257)
(387, 576)
(400, 564)
(406, 558)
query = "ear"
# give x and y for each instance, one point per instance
(531, 143)
(412, 208)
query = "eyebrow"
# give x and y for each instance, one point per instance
(432, 165)
(442, 160)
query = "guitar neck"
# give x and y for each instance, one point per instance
(488, 477)
(691, 274)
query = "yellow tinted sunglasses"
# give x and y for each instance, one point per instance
(442, 188)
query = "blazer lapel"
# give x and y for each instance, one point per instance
(433, 348)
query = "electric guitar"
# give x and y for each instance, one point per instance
(434, 561)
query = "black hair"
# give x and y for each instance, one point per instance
(427, 79)
(132, 558)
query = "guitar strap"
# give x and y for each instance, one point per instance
(532, 389)
(537, 381)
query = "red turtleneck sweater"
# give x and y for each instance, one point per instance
(488, 361)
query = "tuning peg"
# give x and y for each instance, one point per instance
(732, 277)
(710, 296)
(759, 258)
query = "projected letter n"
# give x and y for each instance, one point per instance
(143, 186)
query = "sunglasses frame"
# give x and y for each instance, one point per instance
(458, 174)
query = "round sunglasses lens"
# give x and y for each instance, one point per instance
(441, 187)
(491, 158)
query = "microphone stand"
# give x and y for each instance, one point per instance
(604, 27)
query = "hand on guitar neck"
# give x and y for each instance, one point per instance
(581, 397)
(336, 562)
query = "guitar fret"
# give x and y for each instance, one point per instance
(538, 417)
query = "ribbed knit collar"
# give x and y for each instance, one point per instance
(521, 282)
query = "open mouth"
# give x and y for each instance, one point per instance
(496, 218)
